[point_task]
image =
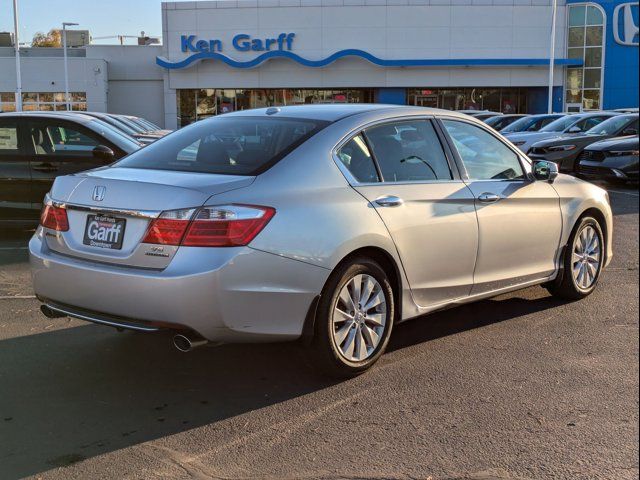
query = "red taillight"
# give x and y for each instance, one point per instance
(220, 226)
(54, 218)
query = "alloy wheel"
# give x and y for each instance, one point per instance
(586, 257)
(359, 318)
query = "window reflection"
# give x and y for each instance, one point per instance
(196, 104)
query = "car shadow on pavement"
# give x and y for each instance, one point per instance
(471, 316)
(75, 393)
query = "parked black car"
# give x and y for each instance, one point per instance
(36, 147)
(614, 160)
(532, 123)
(564, 150)
(501, 121)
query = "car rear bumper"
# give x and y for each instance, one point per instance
(223, 294)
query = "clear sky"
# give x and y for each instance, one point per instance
(101, 17)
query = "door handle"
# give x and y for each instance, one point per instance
(488, 197)
(45, 167)
(389, 201)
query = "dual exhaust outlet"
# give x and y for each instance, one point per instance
(184, 342)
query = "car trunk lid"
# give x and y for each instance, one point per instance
(109, 211)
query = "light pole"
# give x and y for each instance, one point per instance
(552, 54)
(17, 45)
(66, 66)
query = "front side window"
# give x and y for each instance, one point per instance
(408, 151)
(225, 145)
(60, 139)
(484, 156)
(355, 155)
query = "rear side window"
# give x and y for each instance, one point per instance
(225, 145)
(355, 155)
(408, 151)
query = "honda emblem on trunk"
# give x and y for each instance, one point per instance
(98, 193)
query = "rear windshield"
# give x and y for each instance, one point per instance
(225, 145)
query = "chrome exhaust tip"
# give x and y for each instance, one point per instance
(186, 343)
(50, 313)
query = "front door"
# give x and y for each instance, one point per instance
(402, 169)
(59, 147)
(15, 178)
(519, 219)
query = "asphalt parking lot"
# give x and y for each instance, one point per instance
(518, 387)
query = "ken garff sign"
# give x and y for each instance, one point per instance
(241, 43)
(625, 24)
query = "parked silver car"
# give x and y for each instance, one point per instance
(326, 223)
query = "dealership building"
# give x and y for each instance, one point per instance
(223, 56)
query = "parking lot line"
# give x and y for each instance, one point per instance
(624, 193)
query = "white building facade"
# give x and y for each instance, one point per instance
(221, 56)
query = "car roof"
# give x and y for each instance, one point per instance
(334, 112)
(77, 116)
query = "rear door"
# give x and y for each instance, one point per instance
(426, 207)
(519, 219)
(59, 147)
(15, 177)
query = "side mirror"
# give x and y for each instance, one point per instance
(545, 171)
(629, 131)
(574, 129)
(104, 154)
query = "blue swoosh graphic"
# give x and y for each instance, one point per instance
(443, 62)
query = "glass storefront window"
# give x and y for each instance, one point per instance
(577, 16)
(506, 100)
(593, 57)
(592, 77)
(586, 42)
(593, 37)
(43, 101)
(576, 37)
(196, 104)
(591, 99)
(594, 16)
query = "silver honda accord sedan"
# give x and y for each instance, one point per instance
(325, 223)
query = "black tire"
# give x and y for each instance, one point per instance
(325, 354)
(566, 286)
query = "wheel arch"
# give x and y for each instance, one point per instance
(386, 261)
(602, 221)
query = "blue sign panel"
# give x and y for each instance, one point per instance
(280, 47)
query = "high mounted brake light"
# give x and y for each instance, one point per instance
(219, 226)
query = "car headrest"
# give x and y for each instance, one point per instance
(212, 152)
